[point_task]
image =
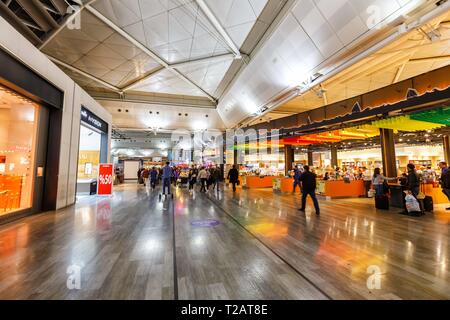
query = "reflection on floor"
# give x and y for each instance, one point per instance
(250, 245)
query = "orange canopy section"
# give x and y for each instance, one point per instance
(355, 133)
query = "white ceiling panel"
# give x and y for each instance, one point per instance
(312, 33)
(169, 83)
(237, 16)
(101, 52)
(207, 75)
(176, 30)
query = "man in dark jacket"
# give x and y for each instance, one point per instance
(233, 177)
(445, 180)
(308, 180)
(413, 180)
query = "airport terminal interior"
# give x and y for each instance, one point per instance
(164, 149)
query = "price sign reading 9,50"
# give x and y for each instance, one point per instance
(105, 179)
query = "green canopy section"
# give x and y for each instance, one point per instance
(440, 116)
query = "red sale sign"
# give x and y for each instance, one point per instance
(105, 179)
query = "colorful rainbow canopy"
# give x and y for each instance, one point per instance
(440, 115)
(405, 123)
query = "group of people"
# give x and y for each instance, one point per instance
(149, 177)
(412, 179)
(206, 177)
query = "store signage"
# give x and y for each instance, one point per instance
(105, 179)
(208, 223)
(92, 120)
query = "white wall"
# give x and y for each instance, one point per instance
(74, 97)
(130, 169)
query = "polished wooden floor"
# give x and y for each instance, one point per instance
(133, 246)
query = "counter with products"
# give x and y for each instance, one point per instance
(253, 182)
(341, 188)
(435, 191)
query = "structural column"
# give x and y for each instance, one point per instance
(310, 158)
(334, 155)
(388, 153)
(446, 142)
(288, 158)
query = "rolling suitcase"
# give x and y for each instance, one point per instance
(382, 202)
(428, 204)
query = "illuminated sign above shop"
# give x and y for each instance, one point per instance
(92, 120)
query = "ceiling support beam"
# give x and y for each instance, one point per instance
(152, 73)
(140, 80)
(155, 100)
(220, 57)
(218, 26)
(87, 75)
(66, 21)
(445, 58)
(399, 72)
(18, 23)
(33, 11)
(60, 5)
(149, 52)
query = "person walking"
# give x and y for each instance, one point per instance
(215, 178)
(203, 176)
(445, 179)
(145, 174)
(153, 178)
(309, 183)
(233, 177)
(166, 177)
(297, 175)
(139, 175)
(176, 175)
(193, 173)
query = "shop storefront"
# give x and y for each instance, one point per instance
(30, 118)
(19, 119)
(93, 150)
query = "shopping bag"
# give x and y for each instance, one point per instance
(412, 205)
